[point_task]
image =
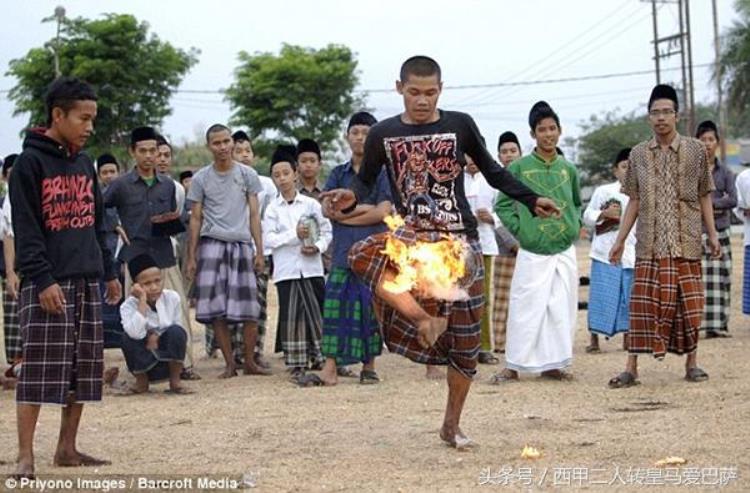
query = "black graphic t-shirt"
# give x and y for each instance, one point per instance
(425, 169)
(57, 214)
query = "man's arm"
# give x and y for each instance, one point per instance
(626, 224)
(256, 231)
(194, 232)
(11, 278)
(707, 211)
(371, 215)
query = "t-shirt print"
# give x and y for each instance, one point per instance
(68, 202)
(425, 169)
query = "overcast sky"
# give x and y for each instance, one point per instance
(475, 41)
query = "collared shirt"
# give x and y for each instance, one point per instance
(168, 312)
(110, 223)
(481, 195)
(136, 203)
(280, 234)
(314, 193)
(602, 243)
(344, 236)
(742, 185)
(724, 198)
(669, 184)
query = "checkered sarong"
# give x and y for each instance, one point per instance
(503, 275)
(225, 282)
(609, 298)
(717, 281)
(62, 353)
(13, 348)
(746, 282)
(351, 333)
(666, 306)
(459, 345)
(301, 320)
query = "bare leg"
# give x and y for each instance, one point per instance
(141, 383)
(625, 341)
(328, 374)
(632, 365)
(67, 454)
(593, 346)
(434, 373)
(223, 339)
(250, 331)
(429, 328)
(175, 369)
(370, 365)
(26, 416)
(458, 389)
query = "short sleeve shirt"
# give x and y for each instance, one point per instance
(224, 196)
(669, 183)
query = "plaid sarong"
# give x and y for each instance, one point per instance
(172, 344)
(61, 353)
(746, 282)
(225, 282)
(717, 282)
(351, 333)
(609, 298)
(458, 346)
(300, 320)
(504, 267)
(666, 306)
(12, 336)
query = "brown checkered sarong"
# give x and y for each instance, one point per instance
(504, 267)
(666, 306)
(458, 346)
(61, 353)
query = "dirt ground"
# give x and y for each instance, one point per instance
(385, 437)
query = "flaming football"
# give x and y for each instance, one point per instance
(440, 270)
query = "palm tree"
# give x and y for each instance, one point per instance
(735, 67)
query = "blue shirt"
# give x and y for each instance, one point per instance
(345, 236)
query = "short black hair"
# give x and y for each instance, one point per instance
(162, 141)
(539, 112)
(64, 92)
(240, 136)
(420, 66)
(8, 162)
(216, 128)
(705, 127)
(185, 175)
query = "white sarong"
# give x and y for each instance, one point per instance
(542, 312)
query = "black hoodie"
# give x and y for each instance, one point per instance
(57, 214)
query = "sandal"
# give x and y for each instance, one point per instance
(487, 358)
(295, 373)
(501, 378)
(189, 374)
(179, 391)
(344, 371)
(695, 374)
(368, 377)
(593, 349)
(309, 380)
(556, 375)
(623, 380)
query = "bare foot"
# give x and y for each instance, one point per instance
(253, 369)
(110, 375)
(507, 375)
(24, 469)
(229, 372)
(329, 375)
(78, 459)
(178, 390)
(430, 329)
(434, 373)
(456, 438)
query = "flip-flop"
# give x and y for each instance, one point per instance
(126, 391)
(487, 358)
(189, 374)
(179, 391)
(696, 374)
(499, 379)
(623, 380)
(593, 349)
(309, 380)
(344, 371)
(368, 377)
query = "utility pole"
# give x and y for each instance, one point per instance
(677, 44)
(59, 15)
(723, 126)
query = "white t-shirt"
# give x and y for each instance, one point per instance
(742, 183)
(481, 195)
(602, 244)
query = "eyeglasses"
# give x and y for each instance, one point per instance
(658, 113)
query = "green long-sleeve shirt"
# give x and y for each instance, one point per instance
(557, 180)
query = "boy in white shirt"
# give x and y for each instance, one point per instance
(155, 339)
(609, 293)
(289, 226)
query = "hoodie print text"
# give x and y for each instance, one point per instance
(68, 202)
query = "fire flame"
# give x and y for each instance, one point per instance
(432, 268)
(530, 453)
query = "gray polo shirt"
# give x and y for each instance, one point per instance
(136, 203)
(226, 215)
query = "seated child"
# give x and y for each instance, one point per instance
(155, 341)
